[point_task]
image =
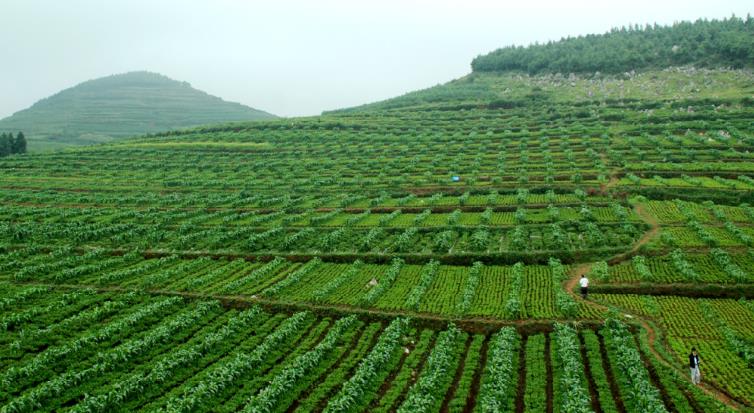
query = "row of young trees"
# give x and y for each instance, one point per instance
(704, 43)
(10, 145)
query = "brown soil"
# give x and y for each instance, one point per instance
(476, 381)
(595, 397)
(614, 390)
(459, 372)
(550, 377)
(521, 391)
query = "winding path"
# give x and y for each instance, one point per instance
(585, 268)
(654, 230)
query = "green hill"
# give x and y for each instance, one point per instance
(688, 61)
(703, 43)
(119, 106)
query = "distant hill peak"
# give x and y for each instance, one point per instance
(122, 105)
(134, 78)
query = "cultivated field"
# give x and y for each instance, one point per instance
(334, 264)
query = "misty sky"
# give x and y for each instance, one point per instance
(292, 57)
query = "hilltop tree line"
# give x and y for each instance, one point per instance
(703, 43)
(10, 145)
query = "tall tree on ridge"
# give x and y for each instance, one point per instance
(5, 145)
(19, 144)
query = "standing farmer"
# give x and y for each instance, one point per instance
(584, 283)
(694, 366)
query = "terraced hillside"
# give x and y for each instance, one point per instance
(335, 264)
(119, 106)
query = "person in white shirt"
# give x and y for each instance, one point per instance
(584, 283)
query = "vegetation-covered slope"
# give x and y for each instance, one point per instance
(356, 214)
(419, 254)
(703, 43)
(670, 86)
(118, 106)
(659, 63)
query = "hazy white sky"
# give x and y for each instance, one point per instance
(293, 57)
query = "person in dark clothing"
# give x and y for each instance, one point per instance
(696, 376)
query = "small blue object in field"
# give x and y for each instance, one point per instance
(455, 178)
